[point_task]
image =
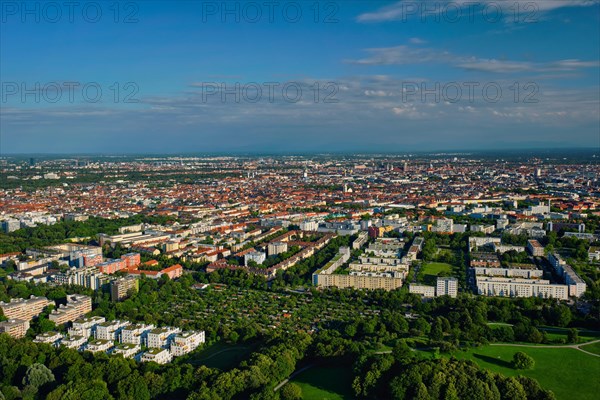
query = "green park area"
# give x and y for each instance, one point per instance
(325, 383)
(222, 356)
(568, 372)
(430, 271)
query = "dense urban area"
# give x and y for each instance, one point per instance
(414, 276)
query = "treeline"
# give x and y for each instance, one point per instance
(402, 376)
(39, 371)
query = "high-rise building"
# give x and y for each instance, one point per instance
(122, 287)
(446, 286)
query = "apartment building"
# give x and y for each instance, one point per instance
(535, 248)
(275, 248)
(85, 326)
(159, 356)
(73, 342)
(577, 286)
(16, 328)
(121, 287)
(76, 307)
(110, 330)
(256, 256)
(423, 290)
(52, 338)
(446, 286)
(161, 337)
(186, 342)
(358, 280)
(136, 334)
(515, 287)
(98, 345)
(89, 277)
(127, 350)
(24, 309)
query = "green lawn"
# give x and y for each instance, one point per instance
(430, 271)
(592, 348)
(326, 383)
(569, 373)
(222, 356)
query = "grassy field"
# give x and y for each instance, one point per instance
(222, 356)
(326, 383)
(592, 348)
(430, 271)
(569, 373)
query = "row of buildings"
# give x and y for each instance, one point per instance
(20, 312)
(95, 334)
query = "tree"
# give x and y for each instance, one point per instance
(573, 335)
(38, 375)
(522, 361)
(401, 351)
(291, 391)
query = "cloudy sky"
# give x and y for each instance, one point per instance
(298, 76)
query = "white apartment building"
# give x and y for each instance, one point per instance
(186, 342)
(159, 356)
(446, 286)
(73, 342)
(423, 290)
(310, 226)
(136, 334)
(161, 337)
(127, 350)
(110, 330)
(98, 345)
(525, 273)
(256, 256)
(48, 338)
(85, 326)
(515, 287)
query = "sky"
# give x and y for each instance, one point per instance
(298, 76)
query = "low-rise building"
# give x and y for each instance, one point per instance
(85, 326)
(127, 350)
(186, 342)
(110, 330)
(161, 337)
(52, 338)
(423, 290)
(159, 356)
(98, 345)
(73, 342)
(136, 334)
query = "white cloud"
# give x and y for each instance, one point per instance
(411, 9)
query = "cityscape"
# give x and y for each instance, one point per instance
(328, 200)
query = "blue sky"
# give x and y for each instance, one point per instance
(390, 75)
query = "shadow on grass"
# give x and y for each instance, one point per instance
(492, 360)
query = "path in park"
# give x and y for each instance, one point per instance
(564, 346)
(292, 376)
